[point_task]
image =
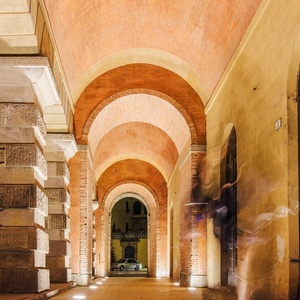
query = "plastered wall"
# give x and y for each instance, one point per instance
(252, 96)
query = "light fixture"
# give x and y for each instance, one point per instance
(93, 286)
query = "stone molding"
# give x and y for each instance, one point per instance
(38, 71)
(60, 147)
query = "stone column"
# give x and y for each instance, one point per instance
(193, 268)
(23, 203)
(57, 152)
(82, 190)
(94, 255)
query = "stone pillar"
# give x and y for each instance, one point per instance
(23, 203)
(94, 253)
(57, 152)
(82, 191)
(193, 268)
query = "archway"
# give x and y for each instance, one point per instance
(103, 226)
(129, 232)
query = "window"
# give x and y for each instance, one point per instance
(137, 208)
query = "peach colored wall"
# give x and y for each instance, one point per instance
(252, 96)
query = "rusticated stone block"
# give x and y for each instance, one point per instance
(23, 238)
(21, 154)
(24, 280)
(21, 217)
(17, 195)
(19, 92)
(11, 259)
(58, 208)
(56, 168)
(41, 201)
(23, 196)
(60, 275)
(2, 155)
(55, 182)
(59, 248)
(53, 262)
(56, 195)
(59, 221)
(17, 175)
(25, 155)
(58, 234)
(18, 114)
(18, 135)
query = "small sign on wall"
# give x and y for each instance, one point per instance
(278, 124)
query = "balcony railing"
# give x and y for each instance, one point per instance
(128, 235)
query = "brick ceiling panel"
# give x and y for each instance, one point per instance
(136, 141)
(132, 171)
(204, 34)
(136, 108)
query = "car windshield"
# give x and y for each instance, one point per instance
(121, 260)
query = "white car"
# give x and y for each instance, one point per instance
(126, 264)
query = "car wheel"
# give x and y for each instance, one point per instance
(122, 268)
(137, 268)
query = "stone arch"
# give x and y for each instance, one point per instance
(148, 198)
(147, 56)
(109, 100)
(137, 78)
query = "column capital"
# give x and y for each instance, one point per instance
(37, 71)
(60, 147)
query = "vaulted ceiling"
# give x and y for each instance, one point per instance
(139, 72)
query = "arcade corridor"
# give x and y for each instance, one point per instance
(164, 131)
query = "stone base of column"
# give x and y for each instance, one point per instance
(24, 280)
(82, 279)
(193, 280)
(60, 275)
(198, 280)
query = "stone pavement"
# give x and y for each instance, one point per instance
(55, 289)
(127, 288)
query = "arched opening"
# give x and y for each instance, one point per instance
(228, 237)
(129, 239)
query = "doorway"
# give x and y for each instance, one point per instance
(229, 226)
(130, 252)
